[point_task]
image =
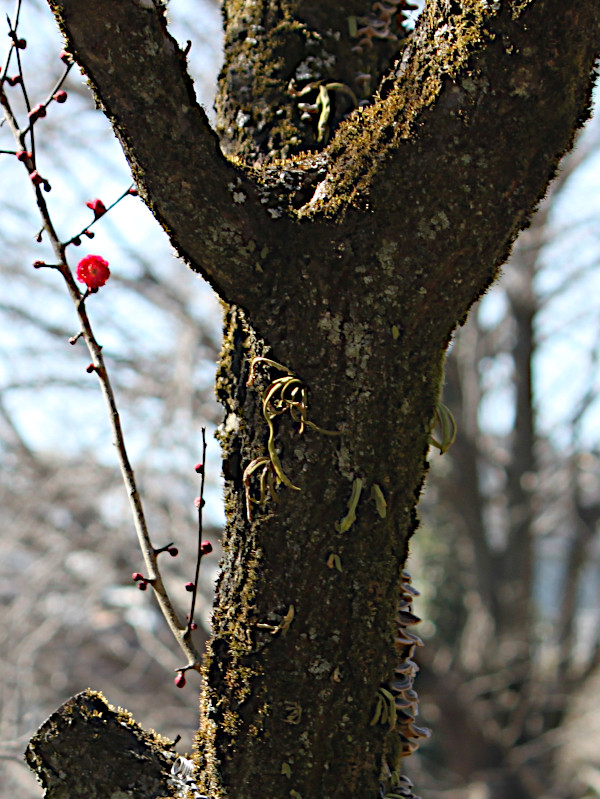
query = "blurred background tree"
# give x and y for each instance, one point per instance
(508, 552)
(512, 657)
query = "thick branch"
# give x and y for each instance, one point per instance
(139, 76)
(88, 749)
(467, 132)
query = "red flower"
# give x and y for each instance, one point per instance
(93, 271)
(97, 206)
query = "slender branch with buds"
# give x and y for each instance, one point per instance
(93, 271)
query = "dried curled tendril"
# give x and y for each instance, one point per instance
(284, 394)
(444, 423)
(322, 105)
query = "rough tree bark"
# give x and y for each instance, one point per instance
(349, 263)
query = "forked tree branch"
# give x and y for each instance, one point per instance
(484, 73)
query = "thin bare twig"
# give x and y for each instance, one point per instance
(181, 631)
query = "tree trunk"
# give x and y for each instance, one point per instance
(347, 269)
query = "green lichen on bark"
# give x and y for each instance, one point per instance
(271, 49)
(102, 749)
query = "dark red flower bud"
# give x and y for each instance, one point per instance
(193, 626)
(206, 547)
(199, 468)
(189, 587)
(76, 241)
(89, 233)
(36, 178)
(179, 680)
(137, 576)
(14, 80)
(21, 43)
(133, 192)
(90, 368)
(97, 206)
(23, 155)
(65, 57)
(173, 551)
(142, 585)
(37, 111)
(38, 264)
(61, 96)
(199, 502)
(46, 185)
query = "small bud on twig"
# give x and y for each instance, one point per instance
(180, 680)
(37, 112)
(97, 206)
(142, 582)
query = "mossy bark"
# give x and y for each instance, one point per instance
(88, 749)
(349, 265)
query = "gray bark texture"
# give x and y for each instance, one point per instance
(346, 249)
(88, 749)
